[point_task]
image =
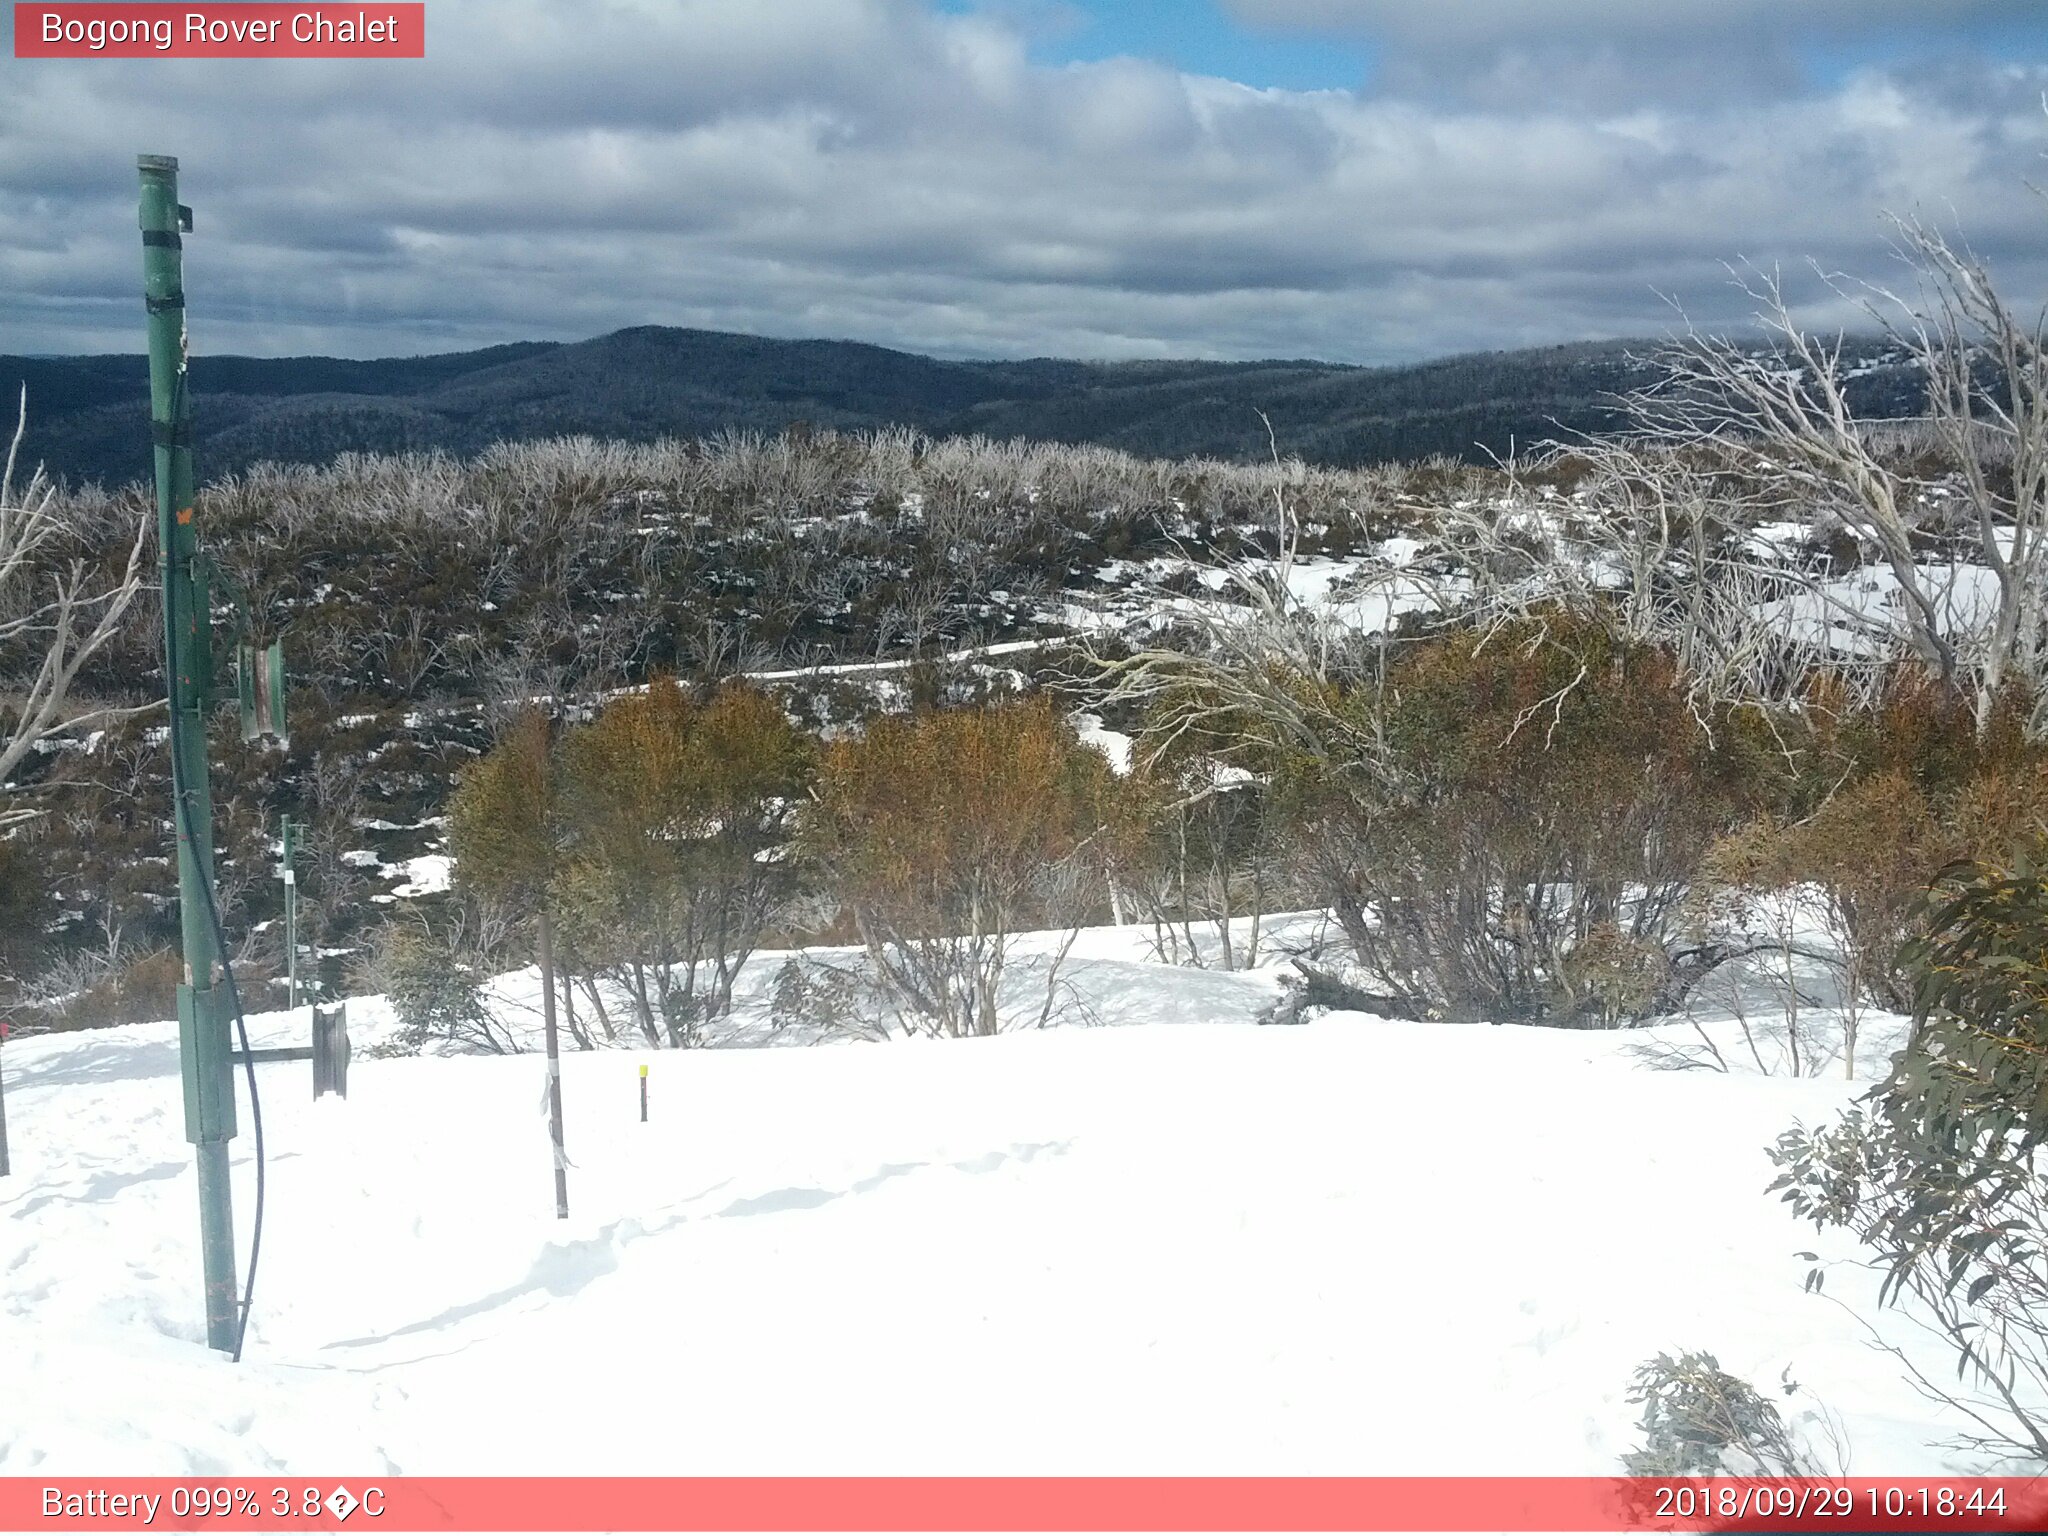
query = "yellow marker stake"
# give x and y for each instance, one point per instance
(643, 1093)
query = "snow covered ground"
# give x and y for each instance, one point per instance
(1186, 1245)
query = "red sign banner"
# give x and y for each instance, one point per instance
(150, 31)
(1052, 1504)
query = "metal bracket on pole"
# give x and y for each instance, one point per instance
(259, 685)
(329, 1051)
(259, 669)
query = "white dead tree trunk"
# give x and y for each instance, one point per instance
(54, 616)
(1784, 419)
(1655, 546)
(1259, 674)
(1987, 405)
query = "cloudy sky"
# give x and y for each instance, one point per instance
(1359, 180)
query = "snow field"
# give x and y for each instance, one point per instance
(1187, 1246)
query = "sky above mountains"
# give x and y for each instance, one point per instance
(1355, 180)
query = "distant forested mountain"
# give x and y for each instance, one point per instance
(86, 414)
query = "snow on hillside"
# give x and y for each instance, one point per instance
(1188, 1245)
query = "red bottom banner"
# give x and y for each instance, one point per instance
(1846, 1506)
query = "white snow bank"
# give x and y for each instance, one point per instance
(1355, 1247)
(1114, 745)
(426, 874)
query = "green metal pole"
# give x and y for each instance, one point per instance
(188, 666)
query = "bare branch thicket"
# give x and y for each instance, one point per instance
(411, 649)
(1995, 430)
(889, 459)
(606, 644)
(1666, 553)
(916, 618)
(56, 612)
(1265, 672)
(721, 648)
(1785, 420)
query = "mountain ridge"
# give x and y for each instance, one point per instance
(86, 413)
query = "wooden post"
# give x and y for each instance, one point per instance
(643, 1098)
(5, 1167)
(547, 992)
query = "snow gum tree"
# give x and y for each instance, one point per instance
(1196, 844)
(1784, 423)
(947, 833)
(678, 815)
(505, 825)
(1939, 1170)
(1523, 844)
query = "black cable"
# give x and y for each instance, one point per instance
(180, 793)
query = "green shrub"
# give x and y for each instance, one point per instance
(1942, 1175)
(1699, 1421)
(1973, 1083)
(1543, 791)
(436, 993)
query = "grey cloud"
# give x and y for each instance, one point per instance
(864, 168)
(1599, 53)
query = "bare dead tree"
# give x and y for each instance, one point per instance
(1994, 430)
(1663, 549)
(1266, 671)
(1784, 418)
(411, 649)
(55, 613)
(918, 615)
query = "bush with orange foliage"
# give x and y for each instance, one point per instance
(677, 815)
(948, 833)
(1886, 797)
(1545, 791)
